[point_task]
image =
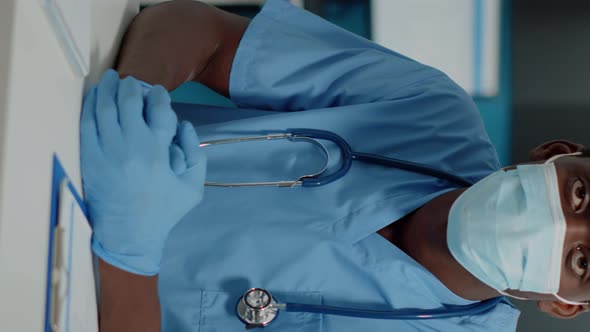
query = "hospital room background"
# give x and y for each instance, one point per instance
(525, 62)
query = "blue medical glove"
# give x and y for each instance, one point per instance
(138, 180)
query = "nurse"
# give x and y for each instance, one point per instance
(175, 255)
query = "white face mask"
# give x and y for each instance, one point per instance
(508, 230)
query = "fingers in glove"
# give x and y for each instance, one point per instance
(88, 130)
(107, 120)
(189, 142)
(177, 159)
(195, 176)
(130, 102)
(159, 115)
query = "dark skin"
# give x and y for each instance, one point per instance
(128, 302)
(181, 41)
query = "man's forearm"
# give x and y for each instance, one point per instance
(180, 41)
(128, 302)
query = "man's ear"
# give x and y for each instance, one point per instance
(552, 148)
(562, 310)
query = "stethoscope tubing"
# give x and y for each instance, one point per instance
(398, 314)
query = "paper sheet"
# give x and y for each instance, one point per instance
(75, 306)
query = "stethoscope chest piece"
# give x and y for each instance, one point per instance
(257, 308)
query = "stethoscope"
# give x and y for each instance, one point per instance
(319, 179)
(258, 308)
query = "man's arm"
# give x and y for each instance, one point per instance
(180, 41)
(128, 302)
(141, 173)
(290, 60)
(167, 44)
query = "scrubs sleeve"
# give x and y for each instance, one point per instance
(291, 60)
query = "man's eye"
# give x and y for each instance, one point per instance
(579, 263)
(578, 195)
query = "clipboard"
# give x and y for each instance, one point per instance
(71, 301)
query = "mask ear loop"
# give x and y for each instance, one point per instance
(512, 296)
(557, 156)
(561, 299)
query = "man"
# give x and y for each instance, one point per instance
(176, 256)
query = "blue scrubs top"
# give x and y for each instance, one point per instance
(318, 245)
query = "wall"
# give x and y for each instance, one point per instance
(551, 56)
(496, 112)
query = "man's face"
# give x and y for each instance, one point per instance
(573, 174)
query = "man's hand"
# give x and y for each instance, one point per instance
(179, 41)
(137, 183)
